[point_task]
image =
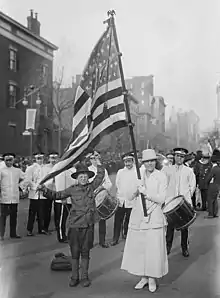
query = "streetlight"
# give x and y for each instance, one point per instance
(30, 113)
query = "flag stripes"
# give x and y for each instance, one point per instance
(111, 112)
(99, 102)
(81, 107)
(104, 98)
(71, 157)
(80, 102)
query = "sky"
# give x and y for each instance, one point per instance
(177, 41)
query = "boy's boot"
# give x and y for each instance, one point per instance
(85, 282)
(74, 280)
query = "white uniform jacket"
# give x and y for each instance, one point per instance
(2, 164)
(126, 184)
(181, 181)
(9, 184)
(107, 184)
(33, 175)
(63, 181)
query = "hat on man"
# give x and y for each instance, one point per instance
(38, 154)
(206, 154)
(215, 155)
(92, 153)
(169, 154)
(181, 151)
(188, 157)
(53, 154)
(128, 155)
(82, 169)
(149, 154)
(8, 155)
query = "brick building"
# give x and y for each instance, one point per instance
(142, 87)
(26, 60)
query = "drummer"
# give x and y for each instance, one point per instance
(94, 156)
(181, 181)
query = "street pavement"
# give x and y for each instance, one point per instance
(25, 267)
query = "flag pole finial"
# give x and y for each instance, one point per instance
(111, 13)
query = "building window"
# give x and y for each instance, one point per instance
(12, 89)
(13, 59)
(44, 69)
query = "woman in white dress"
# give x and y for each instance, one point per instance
(145, 251)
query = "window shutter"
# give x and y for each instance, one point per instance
(17, 61)
(9, 59)
(7, 97)
(18, 105)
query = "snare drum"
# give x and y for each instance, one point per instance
(105, 204)
(179, 213)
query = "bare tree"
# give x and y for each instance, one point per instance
(61, 102)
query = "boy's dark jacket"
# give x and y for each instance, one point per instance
(83, 212)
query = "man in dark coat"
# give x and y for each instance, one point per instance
(202, 170)
(214, 185)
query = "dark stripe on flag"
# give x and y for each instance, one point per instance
(109, 112)
(78, 129)
(70, 152)
(80, 102)
(106, 96)
(107, 130)
(76, 143)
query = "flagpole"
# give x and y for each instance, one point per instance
(111, 13)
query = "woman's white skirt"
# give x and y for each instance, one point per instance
(145, 253)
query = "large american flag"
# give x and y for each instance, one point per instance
(99, 104)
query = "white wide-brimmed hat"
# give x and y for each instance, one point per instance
(206, 154)
(148, 154)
